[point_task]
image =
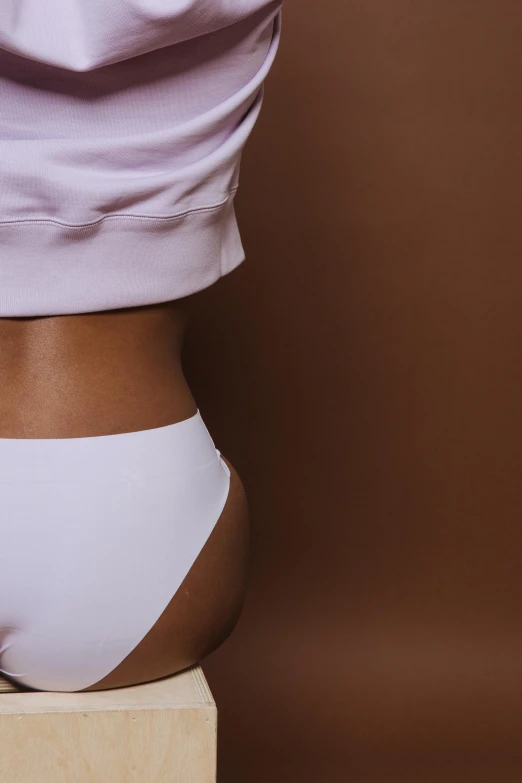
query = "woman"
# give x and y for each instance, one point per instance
(124, 531)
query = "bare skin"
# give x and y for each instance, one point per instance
(120, 371)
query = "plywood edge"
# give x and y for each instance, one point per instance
(186, 690)
(8, 687)
(202, 685)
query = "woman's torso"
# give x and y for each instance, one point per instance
(120, 371)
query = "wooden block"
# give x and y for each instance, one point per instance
(159, 732)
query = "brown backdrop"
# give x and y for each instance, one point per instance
(363, 371)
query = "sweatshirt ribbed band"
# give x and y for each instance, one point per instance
(48, 268)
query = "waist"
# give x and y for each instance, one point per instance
(93, 373)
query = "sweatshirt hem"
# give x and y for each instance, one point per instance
(49, 267)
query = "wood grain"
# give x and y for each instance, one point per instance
(158, 732)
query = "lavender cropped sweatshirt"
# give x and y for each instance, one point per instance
(121, 130)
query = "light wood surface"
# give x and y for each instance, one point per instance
(159, 732)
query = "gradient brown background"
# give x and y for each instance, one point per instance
(363, 371)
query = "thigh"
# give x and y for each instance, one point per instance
(204, 610)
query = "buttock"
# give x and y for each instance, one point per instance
(98, 533)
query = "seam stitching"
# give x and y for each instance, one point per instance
(121, 216)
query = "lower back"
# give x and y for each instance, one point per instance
(94, 373)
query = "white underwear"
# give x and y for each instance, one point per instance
(96, 536)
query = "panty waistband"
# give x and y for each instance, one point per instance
(173, 450)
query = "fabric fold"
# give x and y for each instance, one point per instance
(118, 183)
